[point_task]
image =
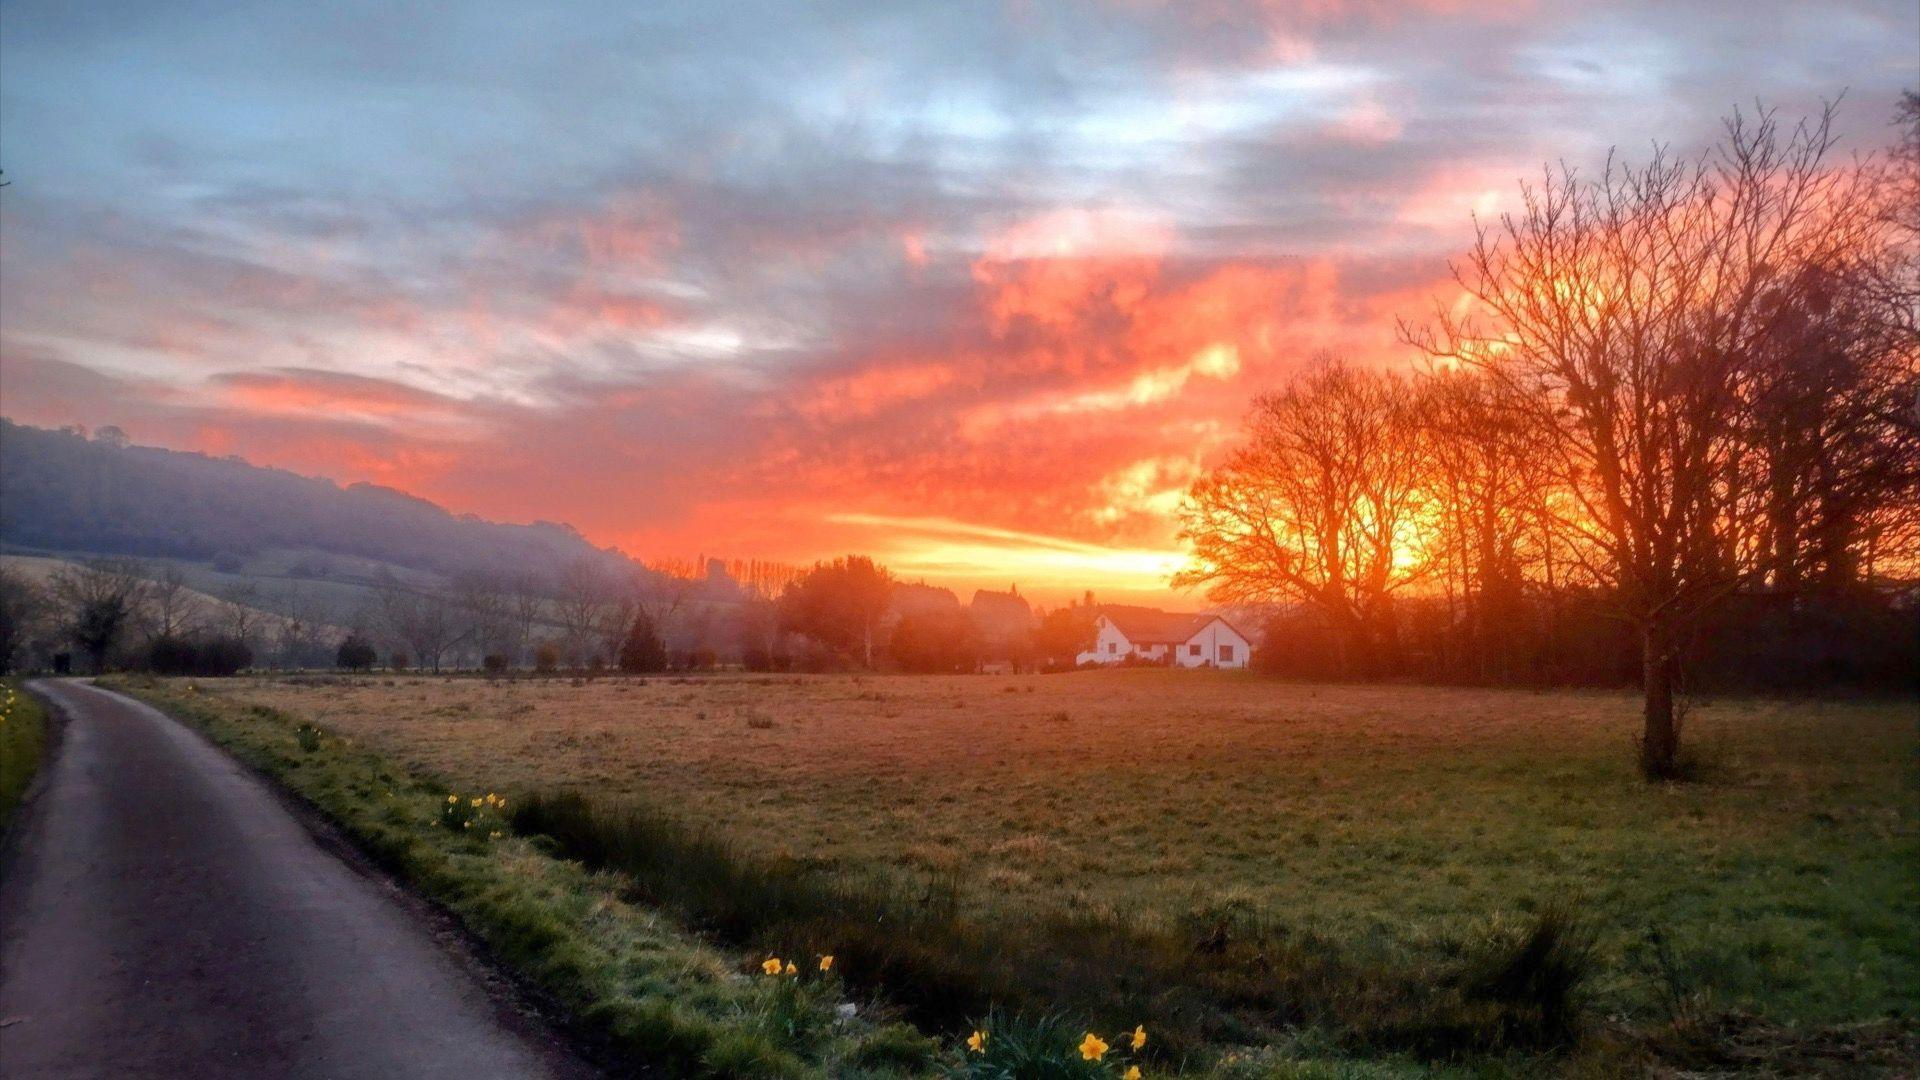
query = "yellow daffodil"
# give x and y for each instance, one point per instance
(1093, 1048)
(1132, 1073)
(476, 804)
(1139, 1036)
(453, 799)
(977, 1042)
(772, 965)
(826, 962)
(791, 970)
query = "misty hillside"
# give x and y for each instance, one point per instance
(60, 491)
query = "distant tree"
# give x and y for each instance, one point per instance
(493, 664)
(355, 653)
(642, 650)
(221, 656)
(1063, 634)
(99, 602)
(398, 659)
(172, 607)
(935, 643)
(23, 604)
(1325, 505)
(593, 607)
(422, 620)
(215, 657)
(839, 604)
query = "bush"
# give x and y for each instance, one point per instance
(355, 653)
(546, 658)
(214, 657)
(642, 650)
(493, 663)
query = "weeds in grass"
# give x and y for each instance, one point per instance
(308, 736)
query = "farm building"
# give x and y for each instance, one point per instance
(1147, 635)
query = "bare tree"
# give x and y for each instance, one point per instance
(1630, 312)
(23, 609)
(99, 601)
(172, 608)
(1324, 505)
(425, 622)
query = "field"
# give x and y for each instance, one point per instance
(1388, 818)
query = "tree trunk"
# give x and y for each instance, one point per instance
(1660, 742)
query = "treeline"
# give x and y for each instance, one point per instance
(1669, 434)
(584, 618)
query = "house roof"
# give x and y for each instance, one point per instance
(1150, 626)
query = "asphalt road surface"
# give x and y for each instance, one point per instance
(164, 913)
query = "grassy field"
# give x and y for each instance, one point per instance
(23, 742)
(1394, 822)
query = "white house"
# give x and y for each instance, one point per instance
(1162, 637)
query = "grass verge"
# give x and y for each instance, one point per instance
(23, 743)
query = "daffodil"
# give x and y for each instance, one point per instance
(1093, 1047)
(451, 799)
(1139, 1036)
(791, 970)
(771, 966)
(1132, 1073)
(977, 1042)
(826, 962)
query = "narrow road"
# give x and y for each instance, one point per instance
(164, 914)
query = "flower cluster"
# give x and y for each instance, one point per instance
(460, 814)
(1048, 1046)
(773, 965)
(6, 703)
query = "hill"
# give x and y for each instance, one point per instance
(63, 492)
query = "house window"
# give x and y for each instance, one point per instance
(1193, 649)
(1226, 654)
(1113, 646)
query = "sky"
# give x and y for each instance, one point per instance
(976, 288)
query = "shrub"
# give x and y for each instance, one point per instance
(755, 658)
(355, 653)
(209, 657)
(493, 664)
(546, 658)
(642, 650)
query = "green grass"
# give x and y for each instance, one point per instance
(23, 742)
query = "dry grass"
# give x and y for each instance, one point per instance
(1388, 817)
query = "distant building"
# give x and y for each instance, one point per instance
(1148, 635)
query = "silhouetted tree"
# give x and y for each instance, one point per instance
(642, 650)
(355, 653)
(839, 604)
(1326, 504)
(99, 601)
(1630, 315)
